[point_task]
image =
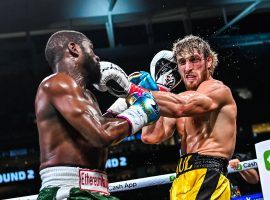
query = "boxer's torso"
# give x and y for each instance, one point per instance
(211, 134)
(60, 143)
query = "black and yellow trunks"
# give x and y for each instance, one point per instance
(201, 177)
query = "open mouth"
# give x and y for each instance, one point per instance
(190, 77)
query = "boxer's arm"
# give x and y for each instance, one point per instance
(159, 131)
(83, 114)
(250, 175)
(210, 95)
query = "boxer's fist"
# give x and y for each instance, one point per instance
(147, 103)
(143, 111)
(164, 70)
(140, 78)
(234, 163)
(113, 79)
(144, 80)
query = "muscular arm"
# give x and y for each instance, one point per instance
(159, 131)
(209, 96)
(82, 113)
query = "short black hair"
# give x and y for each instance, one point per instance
(58, 41)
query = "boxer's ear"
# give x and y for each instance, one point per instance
(73, 49)
(209, 62)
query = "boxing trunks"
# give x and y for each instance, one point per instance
(201, 177)
(73, 183)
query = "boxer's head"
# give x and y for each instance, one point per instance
(77, 47)
(195, 59)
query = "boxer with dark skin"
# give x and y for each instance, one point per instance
(73, 133)
(205, 117)
(72, 130)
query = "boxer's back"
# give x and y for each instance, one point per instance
(60, 143)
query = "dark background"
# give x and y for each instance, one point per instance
(139, 29)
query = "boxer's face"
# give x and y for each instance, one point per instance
(193, 68)
(91, 63)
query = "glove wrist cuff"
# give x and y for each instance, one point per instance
(135, 116)
(135, 88)
(163, 88)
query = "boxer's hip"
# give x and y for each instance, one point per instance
(74, 177)
(201, 177)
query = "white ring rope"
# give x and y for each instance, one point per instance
(154, 180)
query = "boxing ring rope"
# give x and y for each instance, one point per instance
(154, 180)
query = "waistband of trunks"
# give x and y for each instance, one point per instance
(193, 161)
(87, 179)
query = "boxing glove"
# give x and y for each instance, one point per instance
(142, 111)
(164, 70)
(143, 79)
(140, 78)
(117, 107)
(115, 81)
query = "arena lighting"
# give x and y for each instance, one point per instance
(14, 153)
(101, 8)
(243, 40)
(243, 14)
(244, 93)
(261, 128)
(86, 8)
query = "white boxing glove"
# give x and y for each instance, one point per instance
(164, 70)
(113, 79)
(118, 106)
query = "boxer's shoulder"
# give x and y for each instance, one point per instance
(58, 82)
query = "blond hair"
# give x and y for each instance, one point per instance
(190, 43)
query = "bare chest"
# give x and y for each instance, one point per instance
(198, 125)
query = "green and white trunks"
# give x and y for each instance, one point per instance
(76, 183)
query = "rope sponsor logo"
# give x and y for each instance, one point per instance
(171, 178)
(239, 167)
(116, 187)
(130, 185)
(93, 181)
(123, 186)
(246, 165)
(266, 157)
(249, 165)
